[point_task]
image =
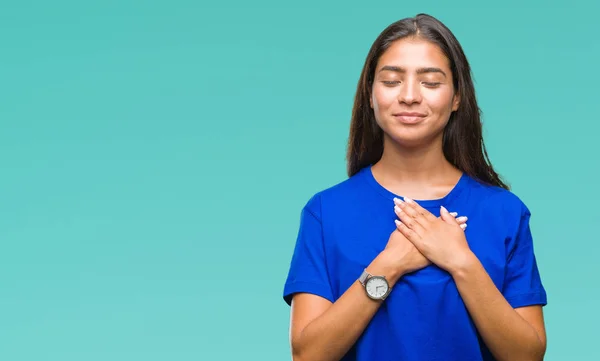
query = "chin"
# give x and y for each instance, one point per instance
(412, 138)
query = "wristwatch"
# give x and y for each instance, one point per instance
(377, 287)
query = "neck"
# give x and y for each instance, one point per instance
(420, 172)
(414, 164)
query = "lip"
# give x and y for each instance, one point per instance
(409, 117)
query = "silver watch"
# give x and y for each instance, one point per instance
(377, 287)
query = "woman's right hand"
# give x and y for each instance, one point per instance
(398, 258)
(403, 255)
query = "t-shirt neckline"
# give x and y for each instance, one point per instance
(428, 203)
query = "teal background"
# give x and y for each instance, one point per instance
(155, 157)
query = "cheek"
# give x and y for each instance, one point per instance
(440, 103)
(382, 99)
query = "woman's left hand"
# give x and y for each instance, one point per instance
(441, 240)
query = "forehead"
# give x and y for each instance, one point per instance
(413, 53)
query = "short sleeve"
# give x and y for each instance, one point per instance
(522, 282)
(308, 269)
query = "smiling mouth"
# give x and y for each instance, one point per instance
(409, 118)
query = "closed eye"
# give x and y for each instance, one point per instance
(394, 82)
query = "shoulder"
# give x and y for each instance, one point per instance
(336, 195)
(501, 202)
(499, 197)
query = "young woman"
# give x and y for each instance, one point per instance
(381, 268)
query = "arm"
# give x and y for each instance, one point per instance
(325, 331)
(510, 334)
(321, 329)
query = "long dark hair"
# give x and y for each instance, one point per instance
(463, 144)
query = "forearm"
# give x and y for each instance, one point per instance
(332, 334)
(504, 331)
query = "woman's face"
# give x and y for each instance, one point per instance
(413, 94)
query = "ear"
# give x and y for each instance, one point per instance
(455, 102)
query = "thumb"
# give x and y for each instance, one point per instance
(446, 216)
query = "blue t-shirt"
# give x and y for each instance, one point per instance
(343, 228)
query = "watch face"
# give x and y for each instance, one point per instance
(377, 287)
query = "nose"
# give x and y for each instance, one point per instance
(409, 93)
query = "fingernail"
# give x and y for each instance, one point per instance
(397, 209)
(408, 200)
(443, 209)
(454, 214)
(397, 222)
(463, 218)
(463, 226)
(397, 200)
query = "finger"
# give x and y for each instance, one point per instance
(445, 215)
(411, 235)
(411, 211)
(424, 217)
(463, 226)
(460, 220)
(422, 211)
(409, 217)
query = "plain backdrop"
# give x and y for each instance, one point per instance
(155, 156)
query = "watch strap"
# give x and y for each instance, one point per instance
(363, 277)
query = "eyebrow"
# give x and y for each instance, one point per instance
(398, 69)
